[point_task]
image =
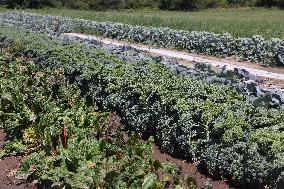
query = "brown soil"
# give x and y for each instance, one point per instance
(8, 169)
(189, 170)
(233, 61)
(272, 83)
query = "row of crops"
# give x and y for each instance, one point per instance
(256, 49)
(239, 79)
(216, 119)
(69, 143)
(189, 117)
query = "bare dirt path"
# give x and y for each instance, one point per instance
(8, 169)
(273, 77)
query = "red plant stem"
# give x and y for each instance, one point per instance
(65, 137)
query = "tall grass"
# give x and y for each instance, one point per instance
(238, 22)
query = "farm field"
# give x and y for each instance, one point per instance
(238, 22)
(83, 114)
(267, 52)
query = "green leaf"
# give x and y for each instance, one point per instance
(150, 181)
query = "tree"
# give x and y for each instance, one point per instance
(185, 5)
(266, 3)
(280, 4)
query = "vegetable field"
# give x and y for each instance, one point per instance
(244, 22)
(256, 49)
(79, 109)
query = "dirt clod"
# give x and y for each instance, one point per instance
(8, 170)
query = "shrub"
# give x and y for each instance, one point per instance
(280, 4)
(241, 3)
(30, 3)
(266, 3)
(186, 5)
